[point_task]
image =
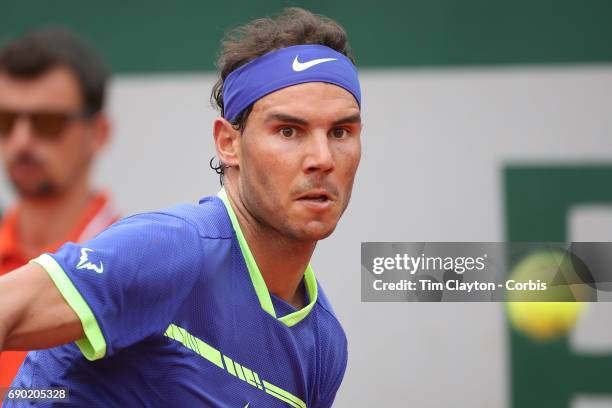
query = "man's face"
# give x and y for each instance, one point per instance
(299, 153)
(37, 164)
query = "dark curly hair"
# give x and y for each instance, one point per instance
(37, 52)
(294, 26)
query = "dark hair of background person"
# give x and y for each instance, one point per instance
(294, 26)
(35, 53)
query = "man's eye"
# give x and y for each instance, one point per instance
(339, 133)
(287, 131)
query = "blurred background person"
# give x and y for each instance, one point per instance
(52, 128)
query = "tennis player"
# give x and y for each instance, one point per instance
(214, 304)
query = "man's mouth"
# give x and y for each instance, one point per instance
(316, 196)
(20, 169)
(318, 200)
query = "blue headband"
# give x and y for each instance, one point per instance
(285, 67)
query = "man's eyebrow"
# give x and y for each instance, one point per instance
(283, 117)
(356, 118)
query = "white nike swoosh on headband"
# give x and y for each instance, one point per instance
(301, 66)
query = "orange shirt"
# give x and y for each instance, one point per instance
(98, 215)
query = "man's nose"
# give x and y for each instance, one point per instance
(319, 155)
(21, 134)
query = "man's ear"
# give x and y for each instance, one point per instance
(101, 132)
(226, 142)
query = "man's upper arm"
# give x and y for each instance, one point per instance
(128, 282)
(122, 286)
(33, 312)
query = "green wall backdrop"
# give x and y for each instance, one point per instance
(157, 35)
(538, 199)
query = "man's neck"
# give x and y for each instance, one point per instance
(281, 261)
(45, 221)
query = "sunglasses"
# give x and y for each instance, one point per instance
(47, 125)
